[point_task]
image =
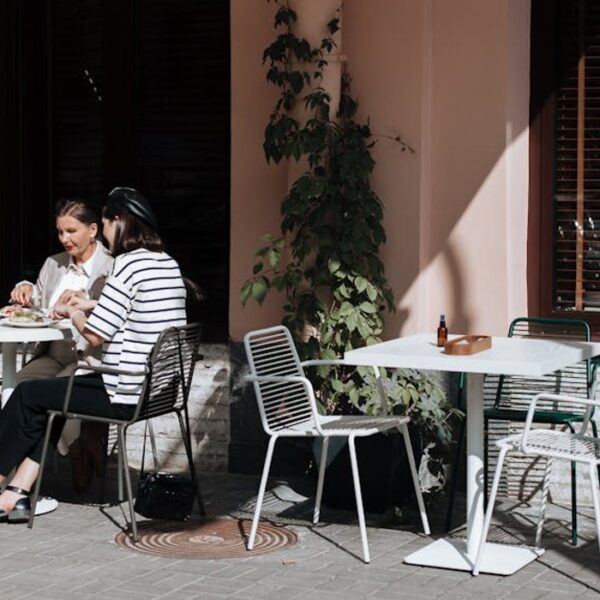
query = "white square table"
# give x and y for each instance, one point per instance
(507, 356)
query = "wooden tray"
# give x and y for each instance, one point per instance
(468, 344)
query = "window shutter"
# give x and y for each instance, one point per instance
(577, 158)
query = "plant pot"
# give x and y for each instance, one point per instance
(384, 472)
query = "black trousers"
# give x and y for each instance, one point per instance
(23, 420)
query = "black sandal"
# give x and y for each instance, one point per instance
(22, 508)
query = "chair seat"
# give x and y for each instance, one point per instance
(349, 425)
(561, 444)
(556, 417)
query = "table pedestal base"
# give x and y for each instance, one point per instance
(499, 559)
(9, 368)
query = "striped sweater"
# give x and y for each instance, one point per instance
(144, 295)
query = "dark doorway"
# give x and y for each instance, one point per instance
(100, 93)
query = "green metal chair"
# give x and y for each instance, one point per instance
(507, 398)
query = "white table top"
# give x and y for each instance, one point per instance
(58, 331)
(510, 356)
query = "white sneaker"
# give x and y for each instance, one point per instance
(44, 505)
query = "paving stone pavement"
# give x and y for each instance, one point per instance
(71, 554)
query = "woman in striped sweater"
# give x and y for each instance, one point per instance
(143, 295)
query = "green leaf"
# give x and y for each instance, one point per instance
(368, 307)
(344, 291)
(371, 292)
(284, 16)
(296, 81)
(361, 283)
(337, 385)
(333, 264)
(257, 268)
(324, 371)
(333, 25)
(328, 354)
(352, 321)
(278, 282)
(260, 287)
(346, 309)
(273, 257)
(245, 292)
(363, 329)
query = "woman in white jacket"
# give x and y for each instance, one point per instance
(80, 270)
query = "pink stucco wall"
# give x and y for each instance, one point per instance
(452, 78)
(256, 188)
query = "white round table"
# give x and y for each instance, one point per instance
(11, 337)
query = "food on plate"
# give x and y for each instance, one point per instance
(26, 315)
(5, 311)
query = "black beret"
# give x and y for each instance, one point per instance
(131, 201)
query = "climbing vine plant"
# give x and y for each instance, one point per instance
(326, 258)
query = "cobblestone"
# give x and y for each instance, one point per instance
(71, 555)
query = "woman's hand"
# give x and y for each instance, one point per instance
(61, 311)
(84, 304)
(77, 310)
(22, 294)
(67, 295)
(76, 303)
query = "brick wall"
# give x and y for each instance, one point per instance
(209, 420)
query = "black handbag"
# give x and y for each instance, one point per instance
(163, 495)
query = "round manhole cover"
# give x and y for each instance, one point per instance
(207, 539)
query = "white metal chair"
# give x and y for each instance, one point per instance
(564, 445)
(288, 408)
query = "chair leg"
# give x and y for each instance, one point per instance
(490, 509)
(415, 477)
(595, 433)
(595, 498)
(125, 466)
(38, 483)
(153, 444)
(102, 485)
(261, 490)
(455, 472)
(187, 442)
(486, 448)
(543, 503)
(358, 496)
(321, 480)
(119, 472)
(574, 534)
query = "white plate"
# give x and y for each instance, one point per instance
(33, 324)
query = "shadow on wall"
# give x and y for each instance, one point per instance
(458, 300)
(460, 99)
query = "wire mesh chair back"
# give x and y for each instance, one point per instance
(282, 404)
(171, 366)
(515, 392)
